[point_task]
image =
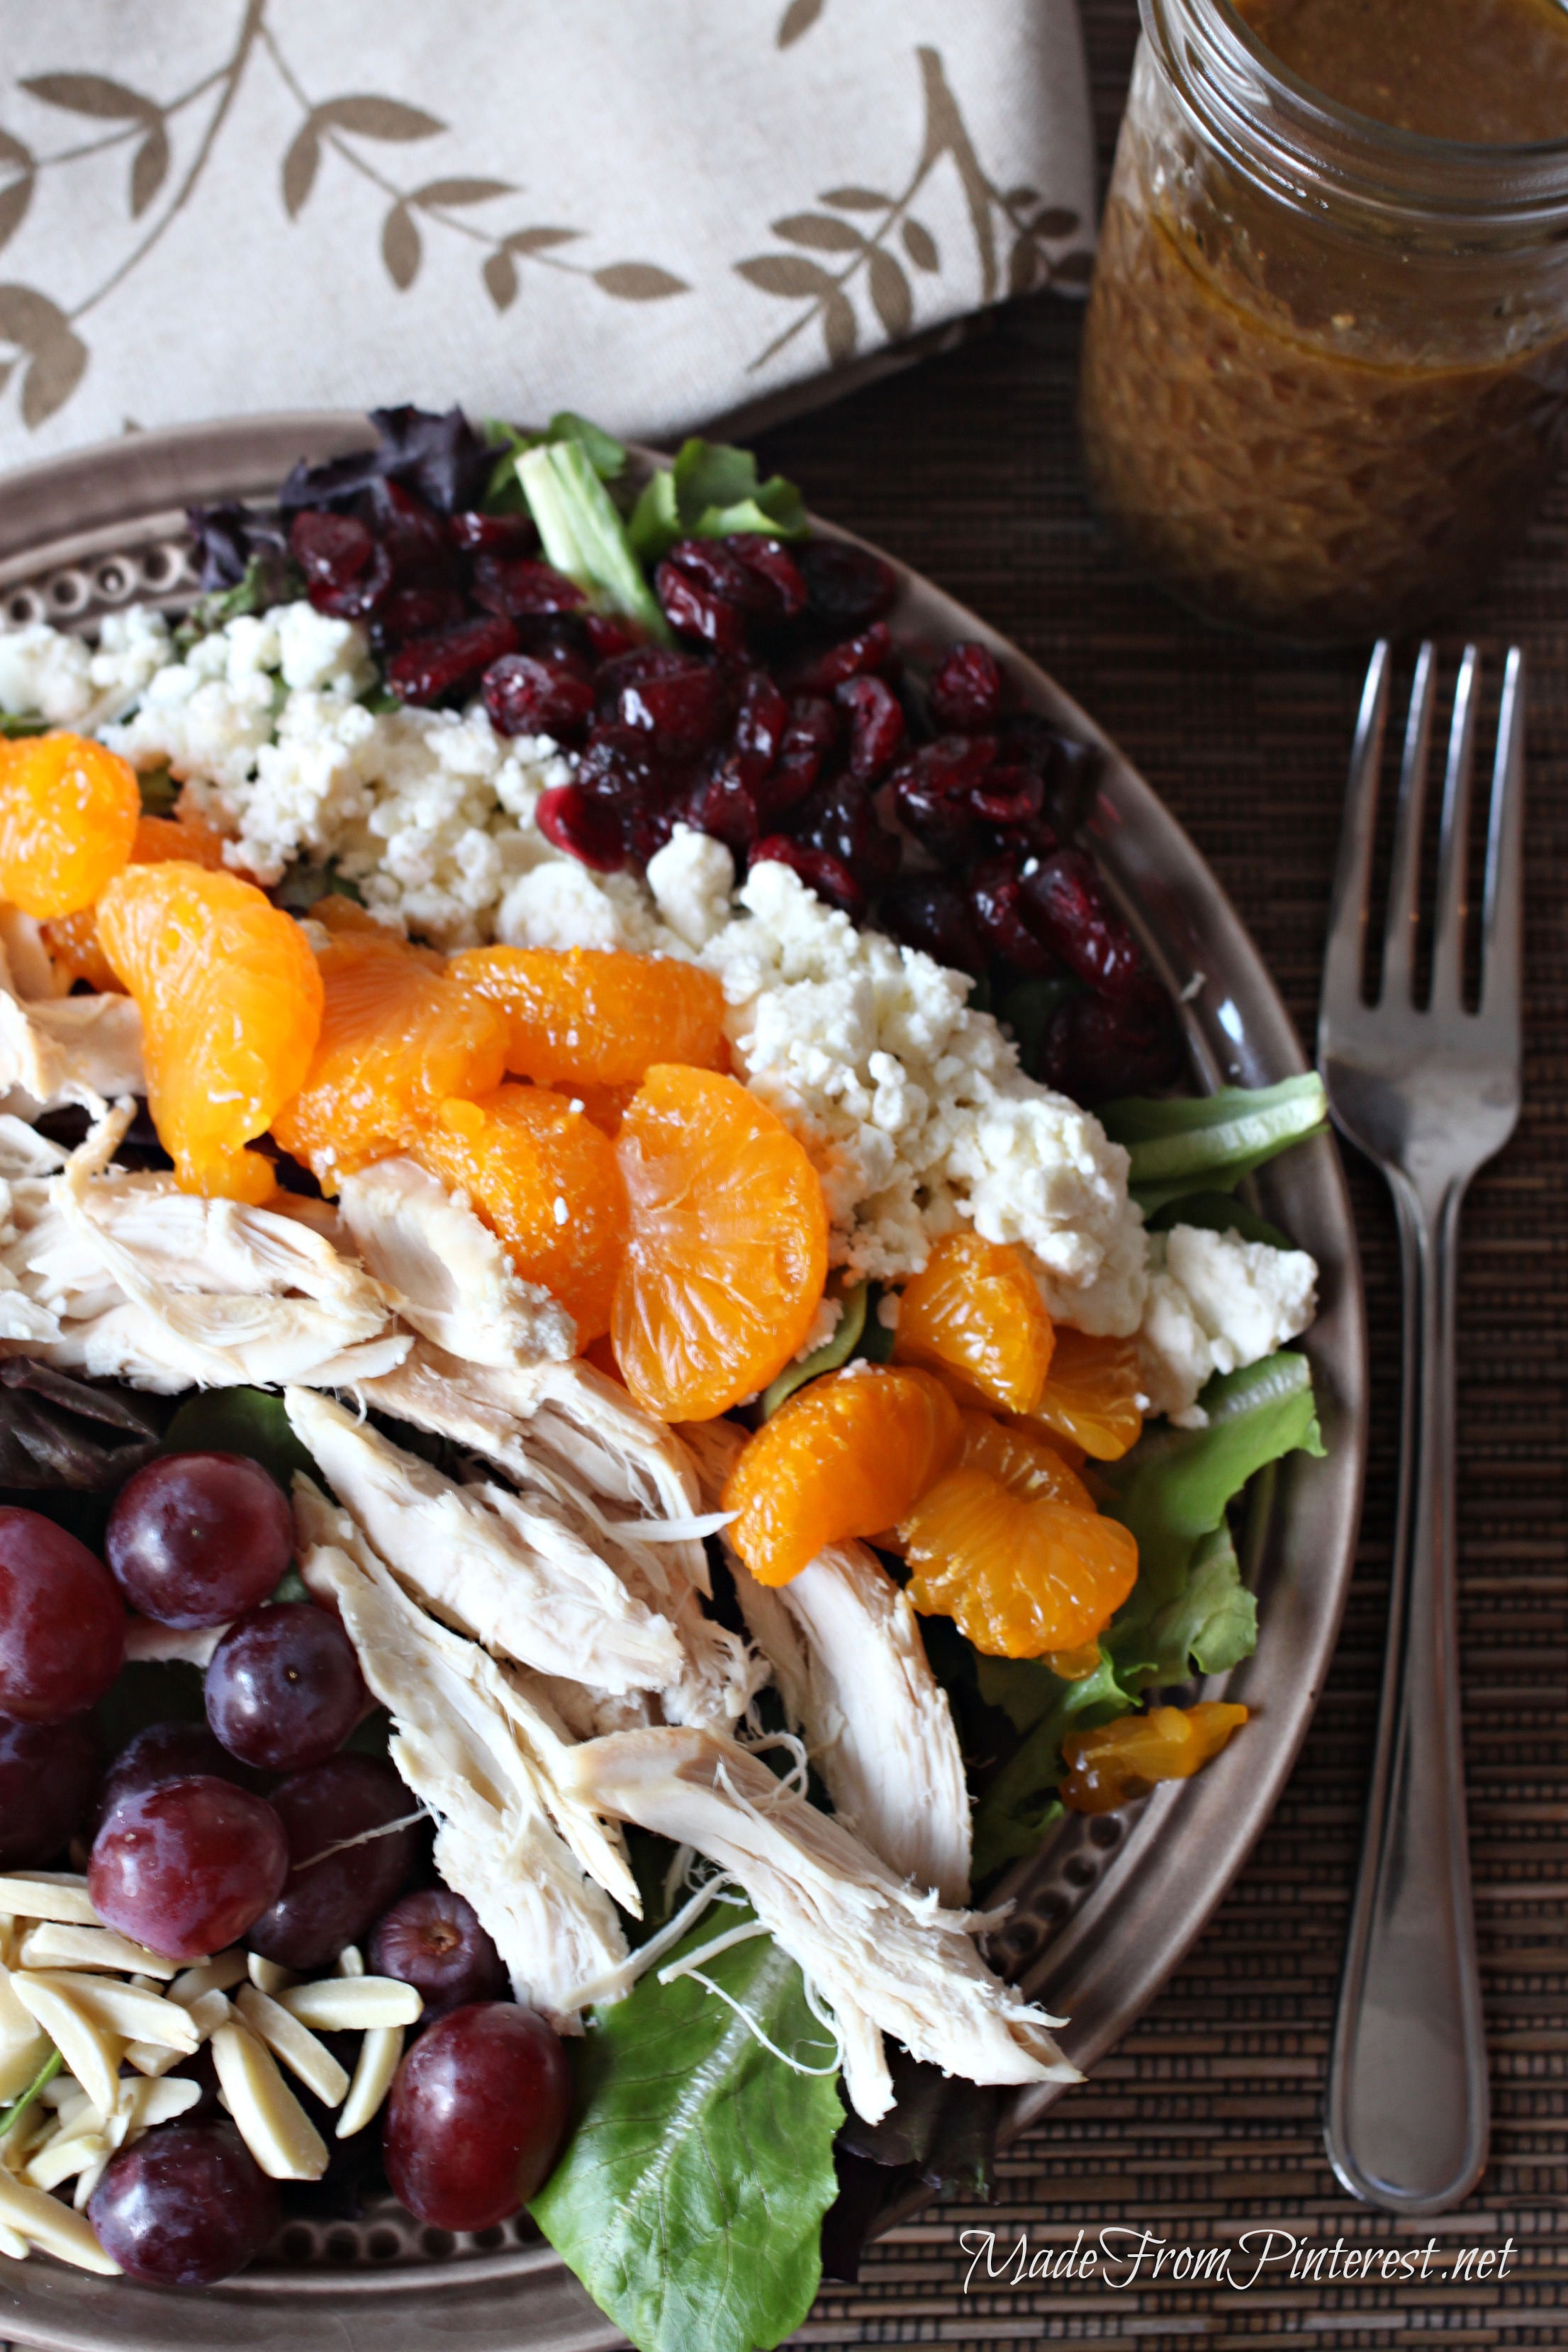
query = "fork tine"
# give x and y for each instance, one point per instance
(1347, 913)
(1501, 926)
(1453, 857)
(1405, 878)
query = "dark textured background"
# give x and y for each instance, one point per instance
(1206, 2121)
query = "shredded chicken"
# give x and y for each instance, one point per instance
(506, 1569)
(168, 1291)
(877, 1949)
(565, 1431)
(514, 1839)
(846, 1649)
(69, 1049)
(453, 1279)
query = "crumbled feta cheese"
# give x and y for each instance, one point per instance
(914, 1110)
(1215, 1304)
(45, 670)
(692, 878)
(824, 1323)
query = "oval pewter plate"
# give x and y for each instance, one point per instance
(1107, 1909)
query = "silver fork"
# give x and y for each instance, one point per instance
(1429, 1094)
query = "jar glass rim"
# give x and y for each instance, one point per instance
(1278, 126)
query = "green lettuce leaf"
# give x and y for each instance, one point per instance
(710, 490)
(1189, 1611)
(1218, 1212)
(240, 1421)
(690, 2196)
(1210, 1143)
(584, 536)
(16, 723)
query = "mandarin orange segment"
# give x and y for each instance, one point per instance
(588, 1014)
(726, 1248)
(846, 1455)
(1021, 1463)
(1017, 1578)
(976, 1311)
(1091, 1395)
(543, 1178)
(1120, 1760)
(69, 809)
(398, 1038)
(231, 1007)
(72, 940)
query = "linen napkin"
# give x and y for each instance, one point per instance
(650, 211)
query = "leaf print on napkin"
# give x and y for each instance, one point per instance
(869, 259)
(367, 116)
(103, 100)
(17, 194)
(57, 356)
(797, 20)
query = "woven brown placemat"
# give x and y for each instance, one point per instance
(1206, 2122)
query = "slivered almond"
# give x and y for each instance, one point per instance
(208, 2012)
(271, 2120)
(152, 2058)
(53, 1945)
(91, 2051)
(266, 1975)
(43, 2222)
(353, 2004)
(350, 1962)
(45, 1897)
(143, 2104)
(378, 2056)
(12, 2243)
(295, 2044)
(129, 2010)
(62, 2158)
(220, 1974)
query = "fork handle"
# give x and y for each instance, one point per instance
(1408, 2111)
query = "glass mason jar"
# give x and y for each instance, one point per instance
(1325, 367)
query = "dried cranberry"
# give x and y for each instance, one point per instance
(841, 819)
(762, 718)
(1097, 1047)
(331, 550)
(608, 636)
(820, 673)
(1068, 768)
(827, 876)
(499, 535)
(538, 694)
(346, 573)
(587, 828)
(928, 913)
(847, 586)
(715, 564)
(412, 534)
(685, 711)
(996, 897)
(430, 668)
(770, 563)
(518, 583)
(1068, 905)
(876, 724)
(966, 691)
(422, 610)
(693, 610)
(723, 803)
(933, 792)
(624, 766)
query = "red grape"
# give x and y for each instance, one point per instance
(284, 1689)
(476, 2115)
(195, 1539)
(46, 1776)
(62, 1627)
(163, 1751)
(188, 2204)
(327, 1904)
(433, 1940)
(186, 1867)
